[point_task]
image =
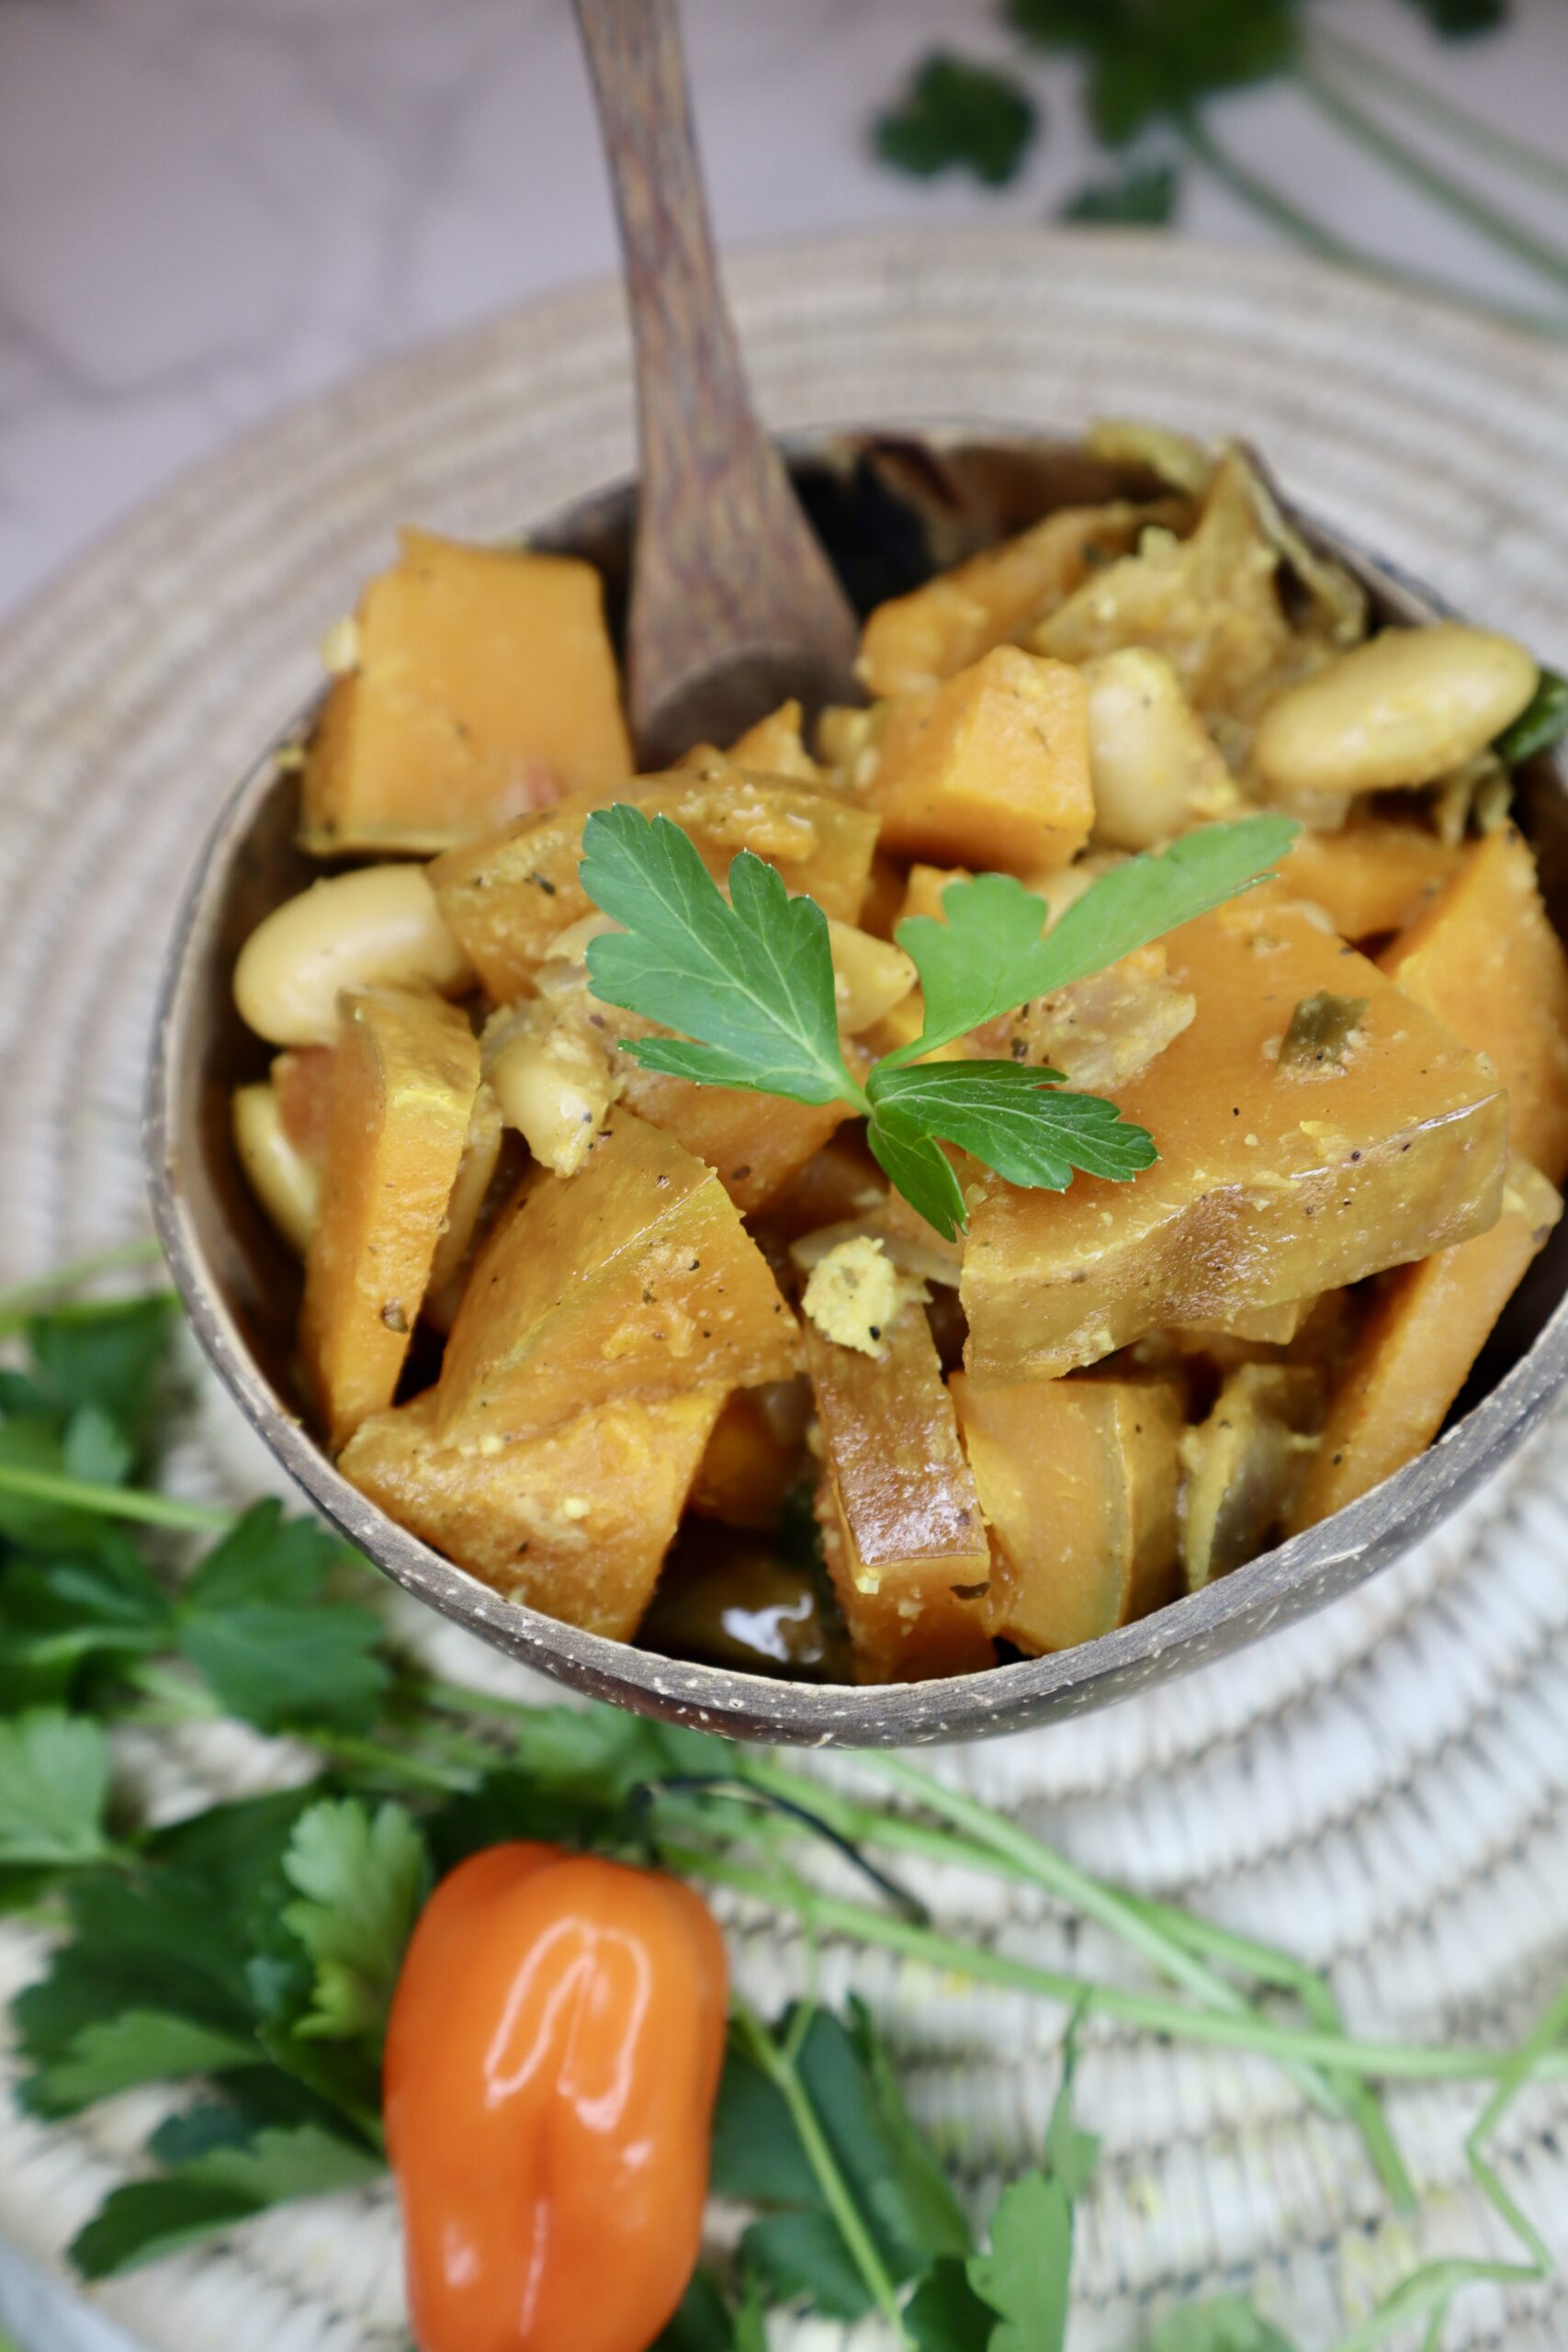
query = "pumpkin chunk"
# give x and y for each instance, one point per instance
(919, 639)
(775, 746)
(508, 897)
(575, 1521)
(991, 768)
(902, 1532)
(1270, 1183)
(634, 1277)
(1424, 1332)
(482, 684)
(1375, 876)
(1485, 959)
(1077, 1479)
(756, 1144)
(404, 1077)
(755, 1455)
(477, 1190)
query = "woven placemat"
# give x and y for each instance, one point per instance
(1381, 1788)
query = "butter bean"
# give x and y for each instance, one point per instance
(870, 976)
(1402, 709)
(378, 927)
(285, 1180)
(1153, 766)
(554, 1083)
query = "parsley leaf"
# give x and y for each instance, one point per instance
(1013, 1117)
(55, 1785)
(701, 2323)
(265, 1557)
(105, 1354)
(149, 1956)
(363, 1878)
(921, 1170)
(137, 2046)
(907, 2205)
(1147, 58)
(1025, 2275)
(945, 2314)
(1462, 19)
(991, 954)
(956, 112)
(751, 981)
(752, 976)
(61, 1618)
(1143, 198)
(1541, 726)
(280, 1668)
(147, 2218)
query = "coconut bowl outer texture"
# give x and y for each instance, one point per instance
(892, 508)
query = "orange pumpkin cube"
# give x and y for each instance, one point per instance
(1078, 1480)
(405, 1074)
(509, 896)
(633, 1277)
(575, 1521)
(1415, 1355)
(1486, 960)
(481, 685)
(902, 1529)
(1274, 1180)
(989, 770)
(1375, 876)
(918, 639)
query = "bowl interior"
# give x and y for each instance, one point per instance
(891, 510)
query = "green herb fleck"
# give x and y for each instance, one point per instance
(1541, 726)
(1321, 1029)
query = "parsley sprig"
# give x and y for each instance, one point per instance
(748, 979)
(242, 1958)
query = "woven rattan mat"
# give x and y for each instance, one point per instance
(1383, 1788)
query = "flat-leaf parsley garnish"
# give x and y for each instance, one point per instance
(749, 981)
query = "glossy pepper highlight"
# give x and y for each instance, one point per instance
(552, 2061)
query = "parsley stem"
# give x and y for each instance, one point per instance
(1176, 1943)
(780, 2068)
(1260, 195)
(399, 1764)
(1489, 221)
(17, 1303)
(114, 1502)
(1371, 70)
(1271, 204)
(1394, 2061)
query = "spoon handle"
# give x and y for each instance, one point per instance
(726, 566)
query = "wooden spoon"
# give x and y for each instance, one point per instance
(734, 605)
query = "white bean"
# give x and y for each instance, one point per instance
(870, 976)
(553, 1084)
(1153, 764)
(1402, 709)
(378, 927)
(285, 1180)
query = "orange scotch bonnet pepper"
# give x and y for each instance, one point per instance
(553, 2058)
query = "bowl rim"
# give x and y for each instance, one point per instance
(1289, 1581)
